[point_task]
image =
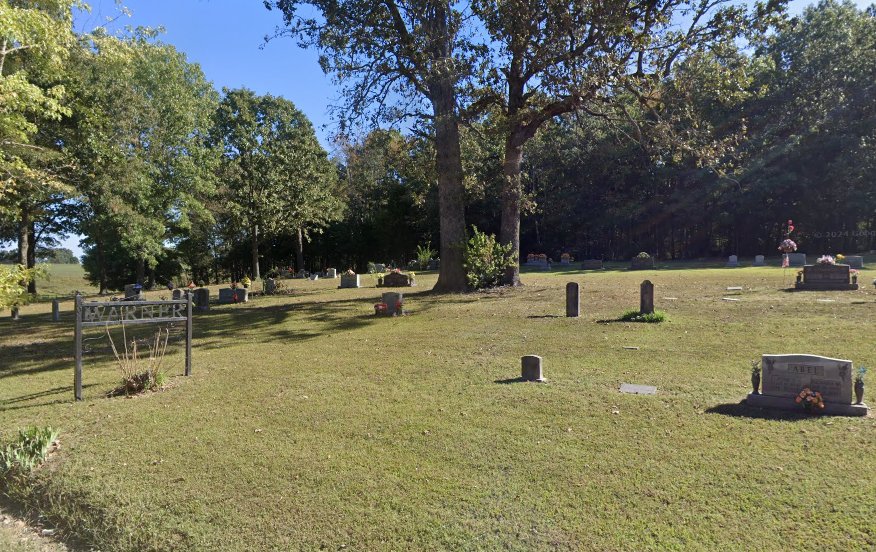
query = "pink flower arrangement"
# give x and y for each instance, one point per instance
(826, 260)
(787, 246)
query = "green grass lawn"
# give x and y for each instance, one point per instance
(311, 424)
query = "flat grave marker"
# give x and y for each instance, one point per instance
(635, 389)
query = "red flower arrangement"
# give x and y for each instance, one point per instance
(812, 401)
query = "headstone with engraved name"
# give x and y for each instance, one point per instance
(826, 277)
(785, 376)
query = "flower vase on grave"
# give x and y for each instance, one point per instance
(755, 383)
(859, 392)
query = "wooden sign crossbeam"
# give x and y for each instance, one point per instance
(90, 314)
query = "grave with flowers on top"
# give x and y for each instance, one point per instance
(826, 275)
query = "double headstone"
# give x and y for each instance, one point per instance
(786, 376)
(230, 295)
(646, 299)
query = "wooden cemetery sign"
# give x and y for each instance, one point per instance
(91, 314)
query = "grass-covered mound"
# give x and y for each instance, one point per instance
(311, 423)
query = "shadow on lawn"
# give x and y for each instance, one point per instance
(742, 410)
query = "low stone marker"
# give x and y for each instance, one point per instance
(394, 302)
(758, 260)
(634, 389)
(530, 368)
(592, 264)
(785, 376)
(314, 277)
(56, 310)
(854, 261)
(229, 295)
(331, 273)
(732, 261)
(349, 280)
(646, 297)
(573, 303)
(797, 259)
(176, 294)
(201, 299)
(826, 277)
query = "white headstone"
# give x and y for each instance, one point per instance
(758, 260)
(732, 261)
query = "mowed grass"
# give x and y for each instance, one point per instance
(311, 424)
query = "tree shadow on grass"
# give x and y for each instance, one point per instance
(742, 410)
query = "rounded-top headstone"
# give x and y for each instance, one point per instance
(530, 368)
(573, 304)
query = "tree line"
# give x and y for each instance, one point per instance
(685, 129)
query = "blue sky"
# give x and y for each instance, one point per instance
(226, 37)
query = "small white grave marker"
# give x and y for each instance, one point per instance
(634, 389)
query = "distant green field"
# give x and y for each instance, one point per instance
(63, 280)
(311, 424)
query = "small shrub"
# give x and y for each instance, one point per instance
(140, 374)
(424, 255)
(486, 260)
(636, 316)
(28, 451)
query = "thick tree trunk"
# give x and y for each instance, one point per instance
(256, 275)
(512, 195)
(23, 241)
(298, 245)
(451, 206)
(31, 256)
(141, 270)
(101, 265)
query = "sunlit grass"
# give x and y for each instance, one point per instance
(309, 423)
